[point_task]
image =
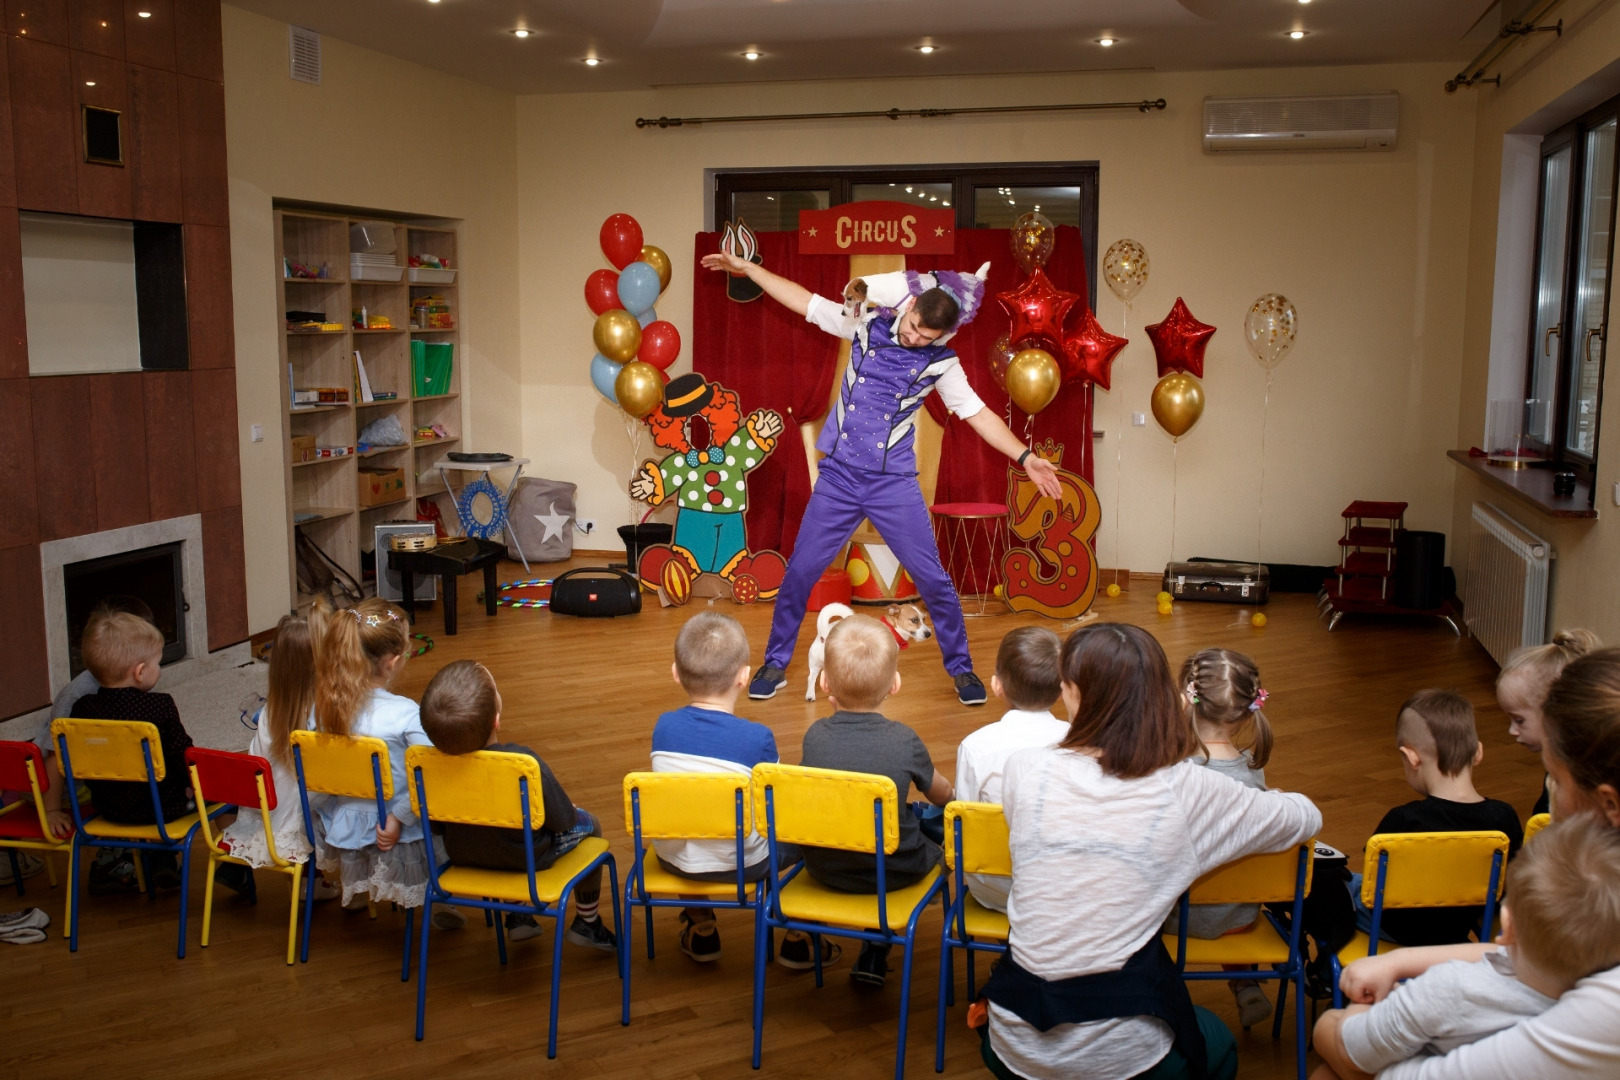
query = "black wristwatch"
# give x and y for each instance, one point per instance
(1023, 456)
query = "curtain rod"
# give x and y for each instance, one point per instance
(1512, 32)
(895, 114)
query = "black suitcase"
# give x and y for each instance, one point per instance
(1221, 582)
(595, 592)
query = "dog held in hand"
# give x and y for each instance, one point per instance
(905, 621)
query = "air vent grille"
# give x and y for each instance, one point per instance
(304, 50)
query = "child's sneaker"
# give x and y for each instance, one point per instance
(448, 918)
(593, 934)
(1252, 1004)
(700, 940)
(325, 890)
(26, 927)
(794, 953)
(112, 876)
(872, 965)
(521, 927)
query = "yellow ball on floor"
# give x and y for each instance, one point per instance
(1112, 590)
(1257, 620)
(1165, 598)
(1164, 607)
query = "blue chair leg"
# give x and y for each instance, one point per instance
(73, 884)
(971, 996)
(905, 1010)
(500, 933)
(944, 985)
(16, 870)
(1282, 1002)
(146, 871)
(489, 916)
(648, 910)
(185, 888)
(405, 963)
(759, 1000)
(421, 983)
(556, 971)
(1338, 995)
(815, 951)
(1299, 1020)
(309, 910)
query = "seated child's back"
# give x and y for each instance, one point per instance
(1439, 748)
(861, 671)
(125, 652)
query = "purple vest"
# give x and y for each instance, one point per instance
(871, 425)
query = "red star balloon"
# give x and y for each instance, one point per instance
(1179, 342)
(1037, 309)
(1089, 351)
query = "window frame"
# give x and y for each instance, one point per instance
(963, 178)
(1573, 135)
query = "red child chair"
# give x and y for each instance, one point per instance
(22, 768)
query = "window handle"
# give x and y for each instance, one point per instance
(1546, 340)
(1597, 332)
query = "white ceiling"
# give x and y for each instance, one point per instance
(644, 43)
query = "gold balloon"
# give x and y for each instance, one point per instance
(1178, 402)
(1033, 380)
(655, 258)
(639, 388)
(1032, 240)
(617, 335)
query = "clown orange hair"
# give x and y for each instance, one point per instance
(723, 414)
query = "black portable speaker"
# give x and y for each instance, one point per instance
(595, 592)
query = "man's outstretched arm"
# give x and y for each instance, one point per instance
(992, 430)
(790, 294)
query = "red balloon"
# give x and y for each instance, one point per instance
(1089, 351)
(602, 291)
(660, 344)
(621, 240)
(1037, 309)
(1179, 342)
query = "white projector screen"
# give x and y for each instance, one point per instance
(79, 294)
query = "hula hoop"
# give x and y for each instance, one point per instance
(424, 648)
(523, 602)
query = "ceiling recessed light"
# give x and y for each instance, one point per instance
(1105, 41)
(750, 55)
(144, 14)
(90, 84)
(933, 198)
(520, 32)
(1304, 1)
(104, 26)
(1296, 34)
(947, 202)
(925, 49)
(592, 61)
(908, 187)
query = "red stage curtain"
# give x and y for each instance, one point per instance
(773, 359)
(969, 471)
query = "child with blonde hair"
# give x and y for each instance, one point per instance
(289, 703)
(1523, 682)
(359, 651)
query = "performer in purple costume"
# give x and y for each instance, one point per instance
(870, 468)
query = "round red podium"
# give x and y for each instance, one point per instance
(972, 539)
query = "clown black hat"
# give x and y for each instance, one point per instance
(687, 395)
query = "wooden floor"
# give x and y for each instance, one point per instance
(585, 695)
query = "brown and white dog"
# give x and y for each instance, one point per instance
(905, 621)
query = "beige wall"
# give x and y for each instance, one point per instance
(1584, 592)
(377, 133)
(1371, 247)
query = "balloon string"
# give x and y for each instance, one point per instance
(1119, 446)
(1175, 491)
(632, 433)
(1260, 528)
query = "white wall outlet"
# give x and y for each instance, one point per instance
(256, 433)
(585, 525)
(1138, 419)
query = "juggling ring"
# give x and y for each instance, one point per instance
(421, 649)
(533, 583)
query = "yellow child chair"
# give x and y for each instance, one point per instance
(1536, 823)
(246, 783)
(500, 790)
(1280, 877)
(976, 843)
(686, 806)
(845, 811)
(1426, 870)
(22, 768)
(349, 767)
(130, 751)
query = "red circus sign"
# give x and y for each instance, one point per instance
(877, 228)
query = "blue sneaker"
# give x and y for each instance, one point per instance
(969, 690)
(769, 679)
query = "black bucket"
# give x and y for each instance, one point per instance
(638, 538)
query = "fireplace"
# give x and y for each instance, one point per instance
(153, 576)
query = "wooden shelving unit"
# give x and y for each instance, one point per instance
(323, 498)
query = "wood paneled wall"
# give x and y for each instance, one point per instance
(83, 453)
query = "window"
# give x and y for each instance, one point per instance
(1569, 311)
(983, 196)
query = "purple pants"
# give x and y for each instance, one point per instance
(842, 498)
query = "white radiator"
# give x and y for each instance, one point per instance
(1505, 593)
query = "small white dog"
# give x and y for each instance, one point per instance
(905, 621)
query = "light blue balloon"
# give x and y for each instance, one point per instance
(648, 316)
(638, 287)
(604, 373)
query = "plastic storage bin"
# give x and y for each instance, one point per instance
(431, 365)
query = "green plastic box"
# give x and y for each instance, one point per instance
(431, 363)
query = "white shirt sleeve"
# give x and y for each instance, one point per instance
(1573, 1039)
(826, 315)
(1228, 820)
(1406, 1021)
(955, 392)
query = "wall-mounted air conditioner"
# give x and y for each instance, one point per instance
(1329, 122)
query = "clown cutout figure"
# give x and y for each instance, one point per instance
(706, 477)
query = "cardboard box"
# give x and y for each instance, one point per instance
(379, 486)
(303, 448)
